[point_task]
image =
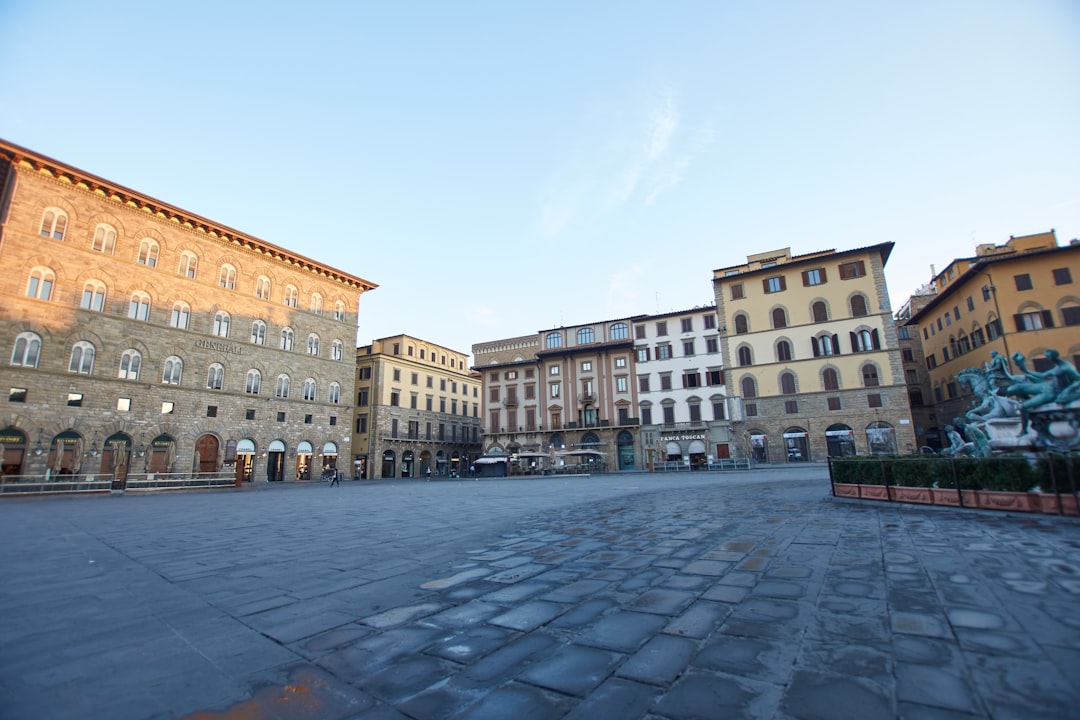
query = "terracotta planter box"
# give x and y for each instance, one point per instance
(946, 496)
(1048, 503)
(874, 492)
(911, 494)
(1001, 500)
(845, 490)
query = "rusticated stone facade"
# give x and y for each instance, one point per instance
(144, 338)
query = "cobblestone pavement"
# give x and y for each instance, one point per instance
(745, 595)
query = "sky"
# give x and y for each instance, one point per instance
(502, 168)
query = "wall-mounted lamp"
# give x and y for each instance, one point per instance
(94, 447)
(141, 452)
(38, 450)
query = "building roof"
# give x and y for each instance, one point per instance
(20, 156)
(783, 259)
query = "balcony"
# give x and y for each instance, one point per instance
(511, 401)
(587, 397)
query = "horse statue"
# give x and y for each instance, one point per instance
(990, 404)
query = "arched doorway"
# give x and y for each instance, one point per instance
(557, 442)
(245, 460)
(115, 458)
(275, 461)
(162, 453)
(880, 438)
(407, 464)
(625, 443)
(65, 453)
(840, 440)
(303, 460)
(696, 451)
(440, 462)
(14, 442)
(759, 446)
(425, 463)
(797, 444)
(389, 462)
(206, 454)
(672, 451)
(329, 458)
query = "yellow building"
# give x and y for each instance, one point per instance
(145, 339)
(1018, 297)
(812, 355)
(417, 410)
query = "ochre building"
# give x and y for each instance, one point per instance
(143, 338)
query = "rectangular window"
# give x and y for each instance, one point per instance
(1023, 281)
(774, 284)
(281, 417)
(211, 411)
(554, 370)
(907, 355)
(931, 361)
(362, 398)
(834, 403)
(718, 410)
(751, 409)
(365, 373)
(737, 292)
(715, 377)
(415, 378)
(665, 381)
(167, 408)
(687, 324)
(74, 399)
(712, 346)
(123, 404)
(493, 394)
(643, 354)
(695, 413)
(639, 332)
(710, 321)
(791, 407)
(1071, 315)
(394, 426)
(17, 395)
(586, 366)
(643, 383)
(852, 270)
(691, 380)
(620, 384)
(1036, 320)
(249, 414)
(646, 416)
(1062, 276)
(663, 352)
(903, 332)
(813, 277)
(361, 424)
(661, 327)
(911, 377)
(873, 400)
(554, 390)
(970, 303)
(395, 398)
(688, 348)
(669, 415)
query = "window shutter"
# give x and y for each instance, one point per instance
(806, 278)
(1047, 318)
(875, 339)
(836, 344)
(822, 271)
(854, 342)
(1019, 319)
(814, 344)
(783, 283)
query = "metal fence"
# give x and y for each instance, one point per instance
(11, 485)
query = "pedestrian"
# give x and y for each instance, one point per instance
(335, 479)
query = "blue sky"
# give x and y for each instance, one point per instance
(499, 168)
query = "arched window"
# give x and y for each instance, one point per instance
(130, 365)
(620, 331)
(189, 264)
(749, 387)
(585, 336)
(783, 351)
(54, 223)
(253, 383)
(554, 340)
(222, 321)
(181, 315)
(316, 304)
(40, 285)
(742, 324)
(858, 306)
(148, 252)
(779, 318)
(258, 333)
(309, 389)
(104, 239)
(830, 379)
(826, 344)
(93, 296)
(337, 350)
(864, 340)
(262, 287)
(869, 375)
(174, 368)
(339, 310)
(215, 376)
(820, 311)
(27, 350)
(139, 307)
(745, 358)
(335, 393)
(286, 339)
(312, 344)
(290, 295)
(787, 383)
(227, 277)
(282, 390)
(82, 358)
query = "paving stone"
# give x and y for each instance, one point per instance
(471, 643)
(615, 698)
(575, 591)
(699, 620)
(529, 616)
(572, 669)
(927, 685)
(659, 661)
(622, 631)
(707, 567)
(696, 697)
(821, 696)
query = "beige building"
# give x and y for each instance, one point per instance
(916, 375)
(417, 410)
(813, 360)
(1018, 297)
(143, 338)
(562, 398)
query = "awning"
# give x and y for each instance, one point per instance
(488, 460)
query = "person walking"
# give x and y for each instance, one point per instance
(335, 479)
